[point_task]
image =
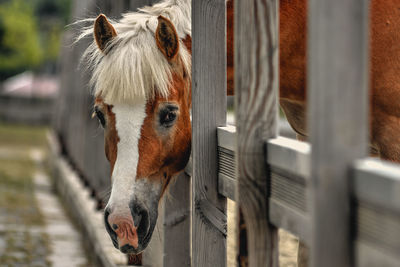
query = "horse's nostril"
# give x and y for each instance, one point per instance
(143, 224)
(138, 218)
(141, 219)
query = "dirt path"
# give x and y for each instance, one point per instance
(34, 229)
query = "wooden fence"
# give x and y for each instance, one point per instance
(344, 206)
(35, 111)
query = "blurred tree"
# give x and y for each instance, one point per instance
(53, 15)
(30, 34)
(19, 43)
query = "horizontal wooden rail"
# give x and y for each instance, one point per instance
(378, 182)
(377, 213)
(289, 163)
(289, 155)
(288, 160)
(376, 194)
(226, 161)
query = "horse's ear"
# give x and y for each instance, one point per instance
(103, 31)
(167, 39)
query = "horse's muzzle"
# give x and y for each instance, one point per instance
(130, 232)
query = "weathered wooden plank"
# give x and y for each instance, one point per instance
(256, 86)
(378, 226)
(290, 155)
(213, 215)
(338, 105)
(383, 177)
(283, 216)
(208, 112)
(376, 189)
(227, 186)
(226, 161)
(227, 137)
(288, 188)
(366, 255)
(177, 223)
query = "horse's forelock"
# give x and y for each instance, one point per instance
(131, 65)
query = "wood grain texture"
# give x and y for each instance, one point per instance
(256, 87)
(338, 105)
(177, 223)
(208, 112)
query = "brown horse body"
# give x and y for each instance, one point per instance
(384, 71)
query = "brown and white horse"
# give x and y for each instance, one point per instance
(141, 75)
(142, 85)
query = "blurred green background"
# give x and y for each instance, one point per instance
(30, 34)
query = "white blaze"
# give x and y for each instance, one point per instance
(128, 122)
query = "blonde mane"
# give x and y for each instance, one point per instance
(132, 66)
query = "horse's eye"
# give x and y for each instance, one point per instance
(167, 117)
(100, 116)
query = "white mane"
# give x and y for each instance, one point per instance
(132, 65)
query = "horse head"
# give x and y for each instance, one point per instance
(141, 75)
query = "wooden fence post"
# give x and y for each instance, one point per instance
(256, 86)
(177, 223)
(338, 105)
(208, 112)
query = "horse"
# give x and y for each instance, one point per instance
(141, 75)
(384, 62)
(142, 86)
(384, 73)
